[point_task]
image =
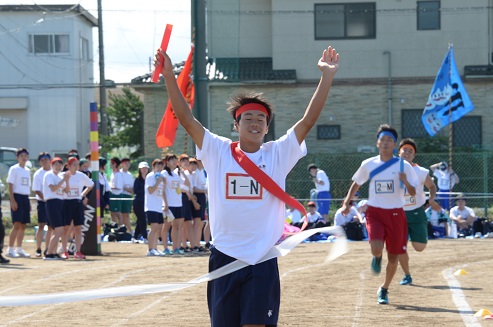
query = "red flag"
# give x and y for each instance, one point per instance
(166, 133)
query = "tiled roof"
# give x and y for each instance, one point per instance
(248, 69)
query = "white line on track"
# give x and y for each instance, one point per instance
(359, 298)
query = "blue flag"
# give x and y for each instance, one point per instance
(448, 99)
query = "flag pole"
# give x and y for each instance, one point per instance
(450, 135)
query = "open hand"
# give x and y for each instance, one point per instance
(329, 61)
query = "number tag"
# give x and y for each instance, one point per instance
(242, 186)
(73, 192)
(159, 192)
(25, 181)
(59, 191)
(384, 186)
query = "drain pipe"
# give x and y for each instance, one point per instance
(389, 86)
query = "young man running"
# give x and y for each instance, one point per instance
(385, 219)
(417, 222)
(247, 222)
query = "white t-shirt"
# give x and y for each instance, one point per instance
(76, 185)
(465, 213)
(321, 175)
(38, 181)
(246, 220)
(184, 173)
(51, 179)
(434, 215)
(384, 189)
(20, 178)
(294, 215)
(153, 202)
(128, 181)
(313, 217)
(173, 189)
(199, 180)
(116, 183)
(414, 202)
(340, 219)
(444, 180)
(104, 181)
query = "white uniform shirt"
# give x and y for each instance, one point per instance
(417, 201)
(38, 181)
(384, 189)
(465, 213)
(246, 220)
(128, 181)
(321, 175)
(104, 181)
(312, 217)
(51, 179)
(76, 185)
(183, 187)
(173, 189)
(116, 183)
(199, 179)
(340, 219)
(153, 202)
(444, 180)
(434, 215)
(20, 178)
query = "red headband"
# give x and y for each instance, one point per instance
(251, 106)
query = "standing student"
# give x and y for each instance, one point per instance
(19, 180)
(385, 218)
(186, 188)
(78, 185)
(250, 296)
(116, 185)
(53, 192)
(44, 159)
(199, 182)
(128, 182)
(417, 222)
(3, 260)
(153, 206)
(322, 185)
(446, 180)
(139, 200)
(104, 187)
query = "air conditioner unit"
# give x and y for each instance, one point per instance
(366, 149)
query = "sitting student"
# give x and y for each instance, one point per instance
(352, 223)
(315, 219)
(462, 217)
(294, 217)
(438, 221)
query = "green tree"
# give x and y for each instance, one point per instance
(125, 120)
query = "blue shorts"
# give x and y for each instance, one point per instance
(323, 202)
(249, 296)
(42, 216)
(186, 207)
(177, 211)
(54, 209)
(23, 213)
(446, 202)
(154, 217)
(73, 210)
(201, 199)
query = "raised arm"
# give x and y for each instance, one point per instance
(328, 64)
(180, 106)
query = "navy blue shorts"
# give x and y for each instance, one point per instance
(23, 213)
(186, 207)
(42, 216)
(73, 210)
(54, 209)
(201, 199)
(177, 211)
(249, 296)
(154, 217)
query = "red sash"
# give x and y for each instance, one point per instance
(265, 181)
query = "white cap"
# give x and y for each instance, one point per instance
(143, 164)
(362, 203)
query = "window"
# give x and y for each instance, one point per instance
(428, 15)
(84, 49)
(467, 132)
(49, 44)
(329, 132)
(411, 123)
(345, 21)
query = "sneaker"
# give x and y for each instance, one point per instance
(406, 280)
(79, 256)
(185, 250)
(64, 255)
(383, 296)
(38, 253)
(207, 245)
(178, 252)
(160, 253)
(203, 249)
(152, 253)
(376, 265)
(196, 250)
(11, 253)
(21, 253)
(3, 261)
(51, 257)
(168, 251)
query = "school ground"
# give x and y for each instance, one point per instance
(341, 293)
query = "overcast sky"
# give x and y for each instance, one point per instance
(133, 31)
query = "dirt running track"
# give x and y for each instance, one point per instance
(342, 293)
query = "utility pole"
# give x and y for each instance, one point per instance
(200, 63)
(102, 79)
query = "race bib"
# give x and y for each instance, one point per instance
(176, 186)
(73, 193)
(159, 192)
(384, 186)
(410, 200)
(444, 184)
(25, 181)
(59, 191)
(242, 186)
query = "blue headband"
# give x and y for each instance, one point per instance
(22, 151)
(385, 133)
(44, 156)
